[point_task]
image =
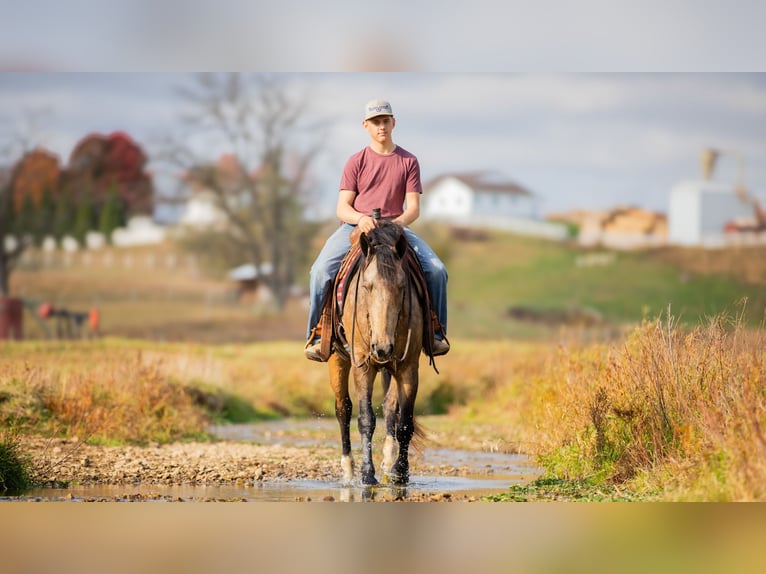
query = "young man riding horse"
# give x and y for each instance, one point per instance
(380, 175)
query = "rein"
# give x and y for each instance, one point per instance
(396, 327)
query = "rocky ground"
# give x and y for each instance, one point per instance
(70, 462)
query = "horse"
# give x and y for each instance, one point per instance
(383, 325)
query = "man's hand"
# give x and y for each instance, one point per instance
(366, 224)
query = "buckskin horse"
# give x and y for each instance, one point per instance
(380, 328)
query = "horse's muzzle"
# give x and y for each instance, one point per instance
(382, 353)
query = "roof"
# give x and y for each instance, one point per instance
(484, 181)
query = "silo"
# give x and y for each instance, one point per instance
(699, 210)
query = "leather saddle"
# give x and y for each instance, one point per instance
(333, 335)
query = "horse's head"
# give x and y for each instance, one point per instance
(382, 286)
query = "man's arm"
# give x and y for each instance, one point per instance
(346, 212)
(412, 211)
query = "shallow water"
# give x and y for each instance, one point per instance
(459, 474)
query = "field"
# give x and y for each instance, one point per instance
(627, 375)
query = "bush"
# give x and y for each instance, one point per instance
(15, 470)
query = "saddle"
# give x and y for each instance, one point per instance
(331, 329)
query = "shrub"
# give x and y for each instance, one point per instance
(15, 468)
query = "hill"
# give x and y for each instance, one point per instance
(500, 285)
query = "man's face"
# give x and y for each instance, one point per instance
(380, 127)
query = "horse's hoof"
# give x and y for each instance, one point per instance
(369, 481)
(400, 480)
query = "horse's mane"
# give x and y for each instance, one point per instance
(385, 235)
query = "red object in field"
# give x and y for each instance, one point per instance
(94, 318)
(45, 310)
(11, 315)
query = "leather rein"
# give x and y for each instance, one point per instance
(368, 358)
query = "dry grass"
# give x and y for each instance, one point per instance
(97, 393)
(670, 409)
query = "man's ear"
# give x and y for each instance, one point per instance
(364, 244)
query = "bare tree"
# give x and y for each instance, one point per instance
(262, 188)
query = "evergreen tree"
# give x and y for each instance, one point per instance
(83, 218)
(63, 216)
(43, 217)
(111, 213)
(24, 221)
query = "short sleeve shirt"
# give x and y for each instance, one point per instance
(381, 180)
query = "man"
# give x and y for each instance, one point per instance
(380, 175)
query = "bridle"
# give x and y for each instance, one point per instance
(366, 360)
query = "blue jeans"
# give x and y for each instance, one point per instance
(329, 259)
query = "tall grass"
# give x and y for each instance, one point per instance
(671, 408)
(16, 472)
(96, 394)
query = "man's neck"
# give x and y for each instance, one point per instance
(386, 148)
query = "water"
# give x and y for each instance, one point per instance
(457, 474)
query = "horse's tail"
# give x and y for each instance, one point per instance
(419, 433)
(419, 436)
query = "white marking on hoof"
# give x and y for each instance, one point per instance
(347, 465)
(389, 447)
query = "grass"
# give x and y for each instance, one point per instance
(669, 412)
(141, 296)
(487, 278)
(643, 406)
(548, 489)
(670, 409)
(16, 473)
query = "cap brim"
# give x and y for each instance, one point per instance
(378, 116)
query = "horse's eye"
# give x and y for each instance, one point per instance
(367, 286)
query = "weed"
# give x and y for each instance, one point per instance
(556, 489)
(15, 467)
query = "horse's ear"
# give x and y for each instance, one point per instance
(364, 243)
(401, 246)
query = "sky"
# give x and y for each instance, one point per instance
(577, 140)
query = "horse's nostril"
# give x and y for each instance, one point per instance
(382, 352)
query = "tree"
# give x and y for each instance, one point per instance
(63, 216)
(261, 185)
(84, 218)
(16, 146)
(110, 217)
(8, 253)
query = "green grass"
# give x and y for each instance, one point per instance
(488, 278)
(556, 489)
(15, 468)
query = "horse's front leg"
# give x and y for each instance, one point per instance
(363, 380)
(339, 368)
(407, 384)
(391, 414)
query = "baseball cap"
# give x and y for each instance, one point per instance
(377, 108)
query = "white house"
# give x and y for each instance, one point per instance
(485, 199)
(201, 211)
(140, 230)
(700, 210)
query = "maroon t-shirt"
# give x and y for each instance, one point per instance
(381, 180)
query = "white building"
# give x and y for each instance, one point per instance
(201, 211)
(485, 199)
(700, 210)
(140, 230)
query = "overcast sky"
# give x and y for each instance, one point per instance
(576, 140)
